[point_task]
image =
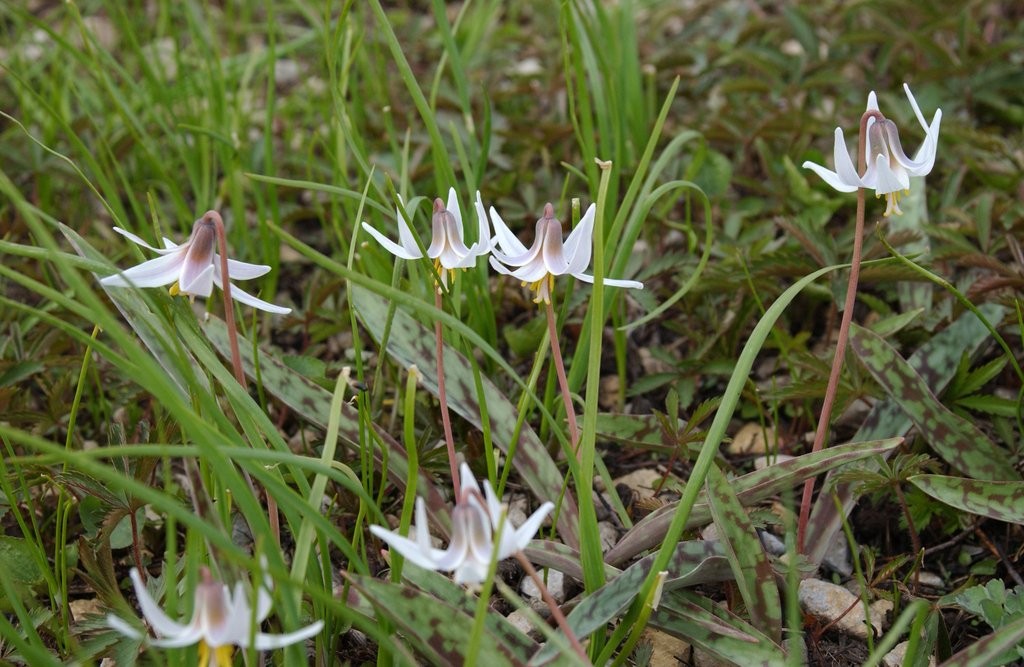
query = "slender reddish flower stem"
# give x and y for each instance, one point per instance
(563, 383)
(442, 396)
(273, 516)
(225, 284)
(556, 611)
(844, 330)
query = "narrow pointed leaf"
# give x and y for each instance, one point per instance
(988, 650)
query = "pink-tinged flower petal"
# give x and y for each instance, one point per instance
(510, 245)
(138, 239)
(845, 168)
(391, 246)
(531, 272)
(151, 611)
(266, 642)
(405, 235)
(153, 273)
(499, 267)
(200, 284)
(240, 295)
(438, 231)
(483, 242)
(242, 270)
(887, 179)
(453, 207)
(580, 242)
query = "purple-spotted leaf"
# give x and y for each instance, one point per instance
(988, 650)
(960, 443)
(1003, 501)
(409, 342)
(935, 362)
(438, 630)
(713, 628)
(750, 488)
(313, 402)
(750, 565)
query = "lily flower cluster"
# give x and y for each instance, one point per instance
(476, 520)
(221, 620)
(888, 167)
(549, 256)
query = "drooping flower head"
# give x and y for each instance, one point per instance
(888, 167)
(447, 244)
(220, 621)
(192, 268)
(549, 256)
(475, 521)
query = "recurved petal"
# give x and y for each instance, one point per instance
(391, 246)
(525, 532)
(138, 239)
(124, 627)
(611, 282)
(845, 168)
(830, 177)
(453, 207)
(239, 294)
(242, 270)
(151, 611)
(483, 243)
(267, 642)
(410, 550)
(153, 273)
(188, 637)
(580, 242)
(507, 241)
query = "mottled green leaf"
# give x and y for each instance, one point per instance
(439, 631)
(692, 563)
(957, 441)
(1003, 501)
(409, 342)
(988, 650)
(750, 488)
(935, 362)
(750, 565)
(313, 402)
(713, 628)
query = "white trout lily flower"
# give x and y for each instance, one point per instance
(447, 245)
(549, 256)
(475, 522)
(220, 621)
(192, 268)
(888, 167)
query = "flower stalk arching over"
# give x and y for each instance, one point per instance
(476, 519)
(221, 620)
(447, 244)
(549, 256)
(192, 268)
(888, 167)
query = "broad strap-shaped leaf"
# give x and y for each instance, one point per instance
(988, 650)
(960, 443)
(313, 403)
(409, 342)
(750, 565)
(935, 362)
(1003, 501)
(710, 626)
(692, 563)
(438, 630)
(750, 488)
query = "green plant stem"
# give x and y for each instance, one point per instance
(412, 470)
(442, 397)
(844, 331)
